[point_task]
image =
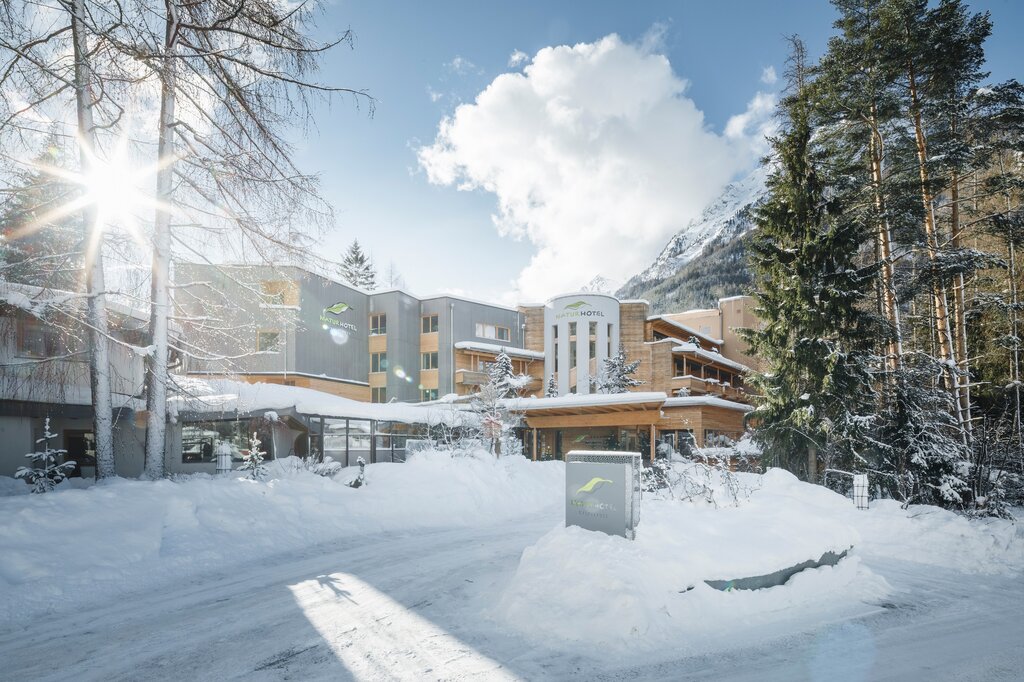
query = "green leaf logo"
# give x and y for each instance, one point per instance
(338, 308)
(576, 306)
(592, 485)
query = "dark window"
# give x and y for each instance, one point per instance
(428, 394)
(503, 334)
(378, 362)
(38, 339)
(429, 360)
(268, 341)
(379, 394)
(379, 324)
(429, 324)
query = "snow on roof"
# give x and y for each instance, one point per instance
(325, 377)
(708, 355)
(226, 395)
(590, 400)
(687, 329)
(496, 348)
(708, 401)
(35, 300)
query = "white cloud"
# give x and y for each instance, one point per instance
(433, 94)
(768, 76)
(462, 66)
(517, 58)
(754, 124)
(595, 155)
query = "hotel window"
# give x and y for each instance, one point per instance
(378, 362)
(268, 340)
(428, 394)
(572, 345)
(280, 292)
(609, 339)
(490, 331)
(378, 394)
(36, 339)
(429, 324)
(593, 339)
(379, 324)
(429, 360)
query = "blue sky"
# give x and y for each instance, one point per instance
(422, 60)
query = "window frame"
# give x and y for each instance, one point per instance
(429, 324)
(380, 361)
(378, 394)
(429, 359)
(378, 324)
(278, 343)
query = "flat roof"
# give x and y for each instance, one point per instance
(212, 397)
(310, 375)
(707, 401)
(495, 348)
(686, 328)
(594, 403)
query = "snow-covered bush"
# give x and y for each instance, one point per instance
(252, 461)
(47, 472)
(704, 476)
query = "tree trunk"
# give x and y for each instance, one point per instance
(156, 376)
(960, 307)
(812, 464)
(890, 304)
(942, 330)
(99, 349)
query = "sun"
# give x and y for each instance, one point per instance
(113, 192)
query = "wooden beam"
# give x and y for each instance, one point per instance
(637, 418)
(653, 433)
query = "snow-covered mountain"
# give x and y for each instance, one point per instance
(601, 285)
(706, 259)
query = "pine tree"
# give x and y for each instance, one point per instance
(816, 393)
(47, 472)
(357, 268)
(252, 461)
(41, 245)
(552, 388)
(503, 376)
(617, 374)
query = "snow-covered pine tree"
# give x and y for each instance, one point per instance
(252, 461)
(617, 374)
(816, 390)
(502, 375)
(552, 388)
(357, 268)
(47, 471)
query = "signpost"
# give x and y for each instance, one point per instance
(602, 491)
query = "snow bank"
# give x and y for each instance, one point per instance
(68, 548)
(603, 595)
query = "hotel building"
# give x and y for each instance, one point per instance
(293, 327)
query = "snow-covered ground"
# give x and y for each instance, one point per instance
(453, 568)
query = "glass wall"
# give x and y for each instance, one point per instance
(199, 440)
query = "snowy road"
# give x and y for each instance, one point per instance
(414, 606)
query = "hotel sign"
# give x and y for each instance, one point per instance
(329, 317)
(599, 492)
(578, 309)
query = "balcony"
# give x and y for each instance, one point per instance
(692, 385)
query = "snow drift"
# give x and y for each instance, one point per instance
(78, 546)
(604, 594)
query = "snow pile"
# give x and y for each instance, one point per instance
(603, 595)
(72, 547)
(611, 594)
(934, 536)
